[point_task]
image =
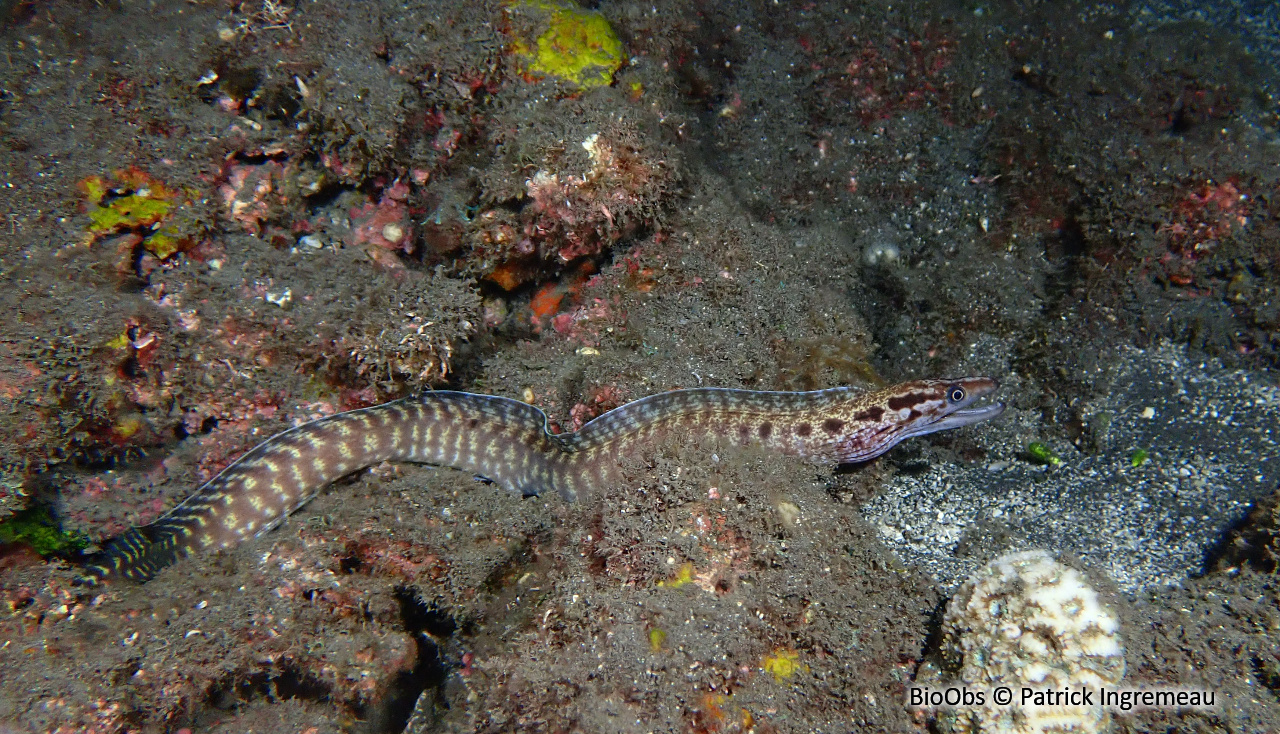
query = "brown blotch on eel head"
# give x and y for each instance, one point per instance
(906, 401)
(870, 415)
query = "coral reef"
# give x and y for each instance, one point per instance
(581, 192)
(1027, 620)
(226, 218)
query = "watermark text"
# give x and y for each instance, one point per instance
(1113, 699)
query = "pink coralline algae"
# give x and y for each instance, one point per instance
(1205, 215)
(577, 215)
(252, 193)
(385, 227)
(574, 211)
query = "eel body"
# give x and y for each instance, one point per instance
(509, 442)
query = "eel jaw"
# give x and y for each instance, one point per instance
(966, 417)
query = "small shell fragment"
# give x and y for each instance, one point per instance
(392, 232)
(789, 512)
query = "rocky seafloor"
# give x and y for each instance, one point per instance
(224, 219)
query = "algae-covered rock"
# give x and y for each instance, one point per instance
(559, 39)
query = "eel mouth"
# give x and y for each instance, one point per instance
(968, 416)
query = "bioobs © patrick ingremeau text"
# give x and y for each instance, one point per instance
(1114, 699)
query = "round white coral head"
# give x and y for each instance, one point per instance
(1026, 620)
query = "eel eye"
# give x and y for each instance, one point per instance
(955, 393)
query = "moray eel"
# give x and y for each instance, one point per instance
(509, 443)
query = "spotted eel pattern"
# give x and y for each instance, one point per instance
(509, 442)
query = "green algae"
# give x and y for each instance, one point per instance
(35, 527)
(1040, 453)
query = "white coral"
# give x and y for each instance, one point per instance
(1028, 621)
